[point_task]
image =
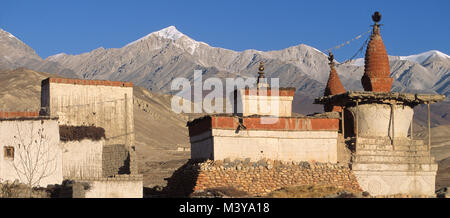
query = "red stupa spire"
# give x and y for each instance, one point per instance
(376, 69)
(334, 85)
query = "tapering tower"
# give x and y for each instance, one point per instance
(376, 66)
(334, 85)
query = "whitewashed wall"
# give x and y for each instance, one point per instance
(376, 120)
(82, 158)
(24, 133)
(280, 106)
(126, 186)
(219, 144)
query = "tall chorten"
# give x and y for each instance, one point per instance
(334, 85)
(386, 159)
(376, 67)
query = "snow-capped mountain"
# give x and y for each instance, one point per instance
(425, 57)
(154, 60)
(170, 32)
(422, 58)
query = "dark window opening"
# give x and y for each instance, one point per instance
(9, 152)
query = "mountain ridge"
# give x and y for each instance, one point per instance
(154, 60)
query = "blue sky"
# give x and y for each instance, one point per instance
(74, 27)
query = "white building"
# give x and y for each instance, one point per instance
(30, 149)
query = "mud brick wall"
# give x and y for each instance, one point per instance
(106, 104)
(115, 160)
(258, 178)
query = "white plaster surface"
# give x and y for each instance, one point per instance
(280, 106)
(396, 182)
(115, 189)
(375, 120)
(24, 136)
(82, 158)
(319, 146)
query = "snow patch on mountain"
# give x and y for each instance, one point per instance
(56, 57)
(357, 62)
(7, 34)
(170, 32)
(317, 50)
(417, 58)
(420, 58)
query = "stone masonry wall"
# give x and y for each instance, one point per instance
(258, 178)
(115, 160)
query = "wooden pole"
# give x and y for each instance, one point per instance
(393, 127)
(357, 128)
(411, 128)
(126, 120)
(343, 127)
(429, 127)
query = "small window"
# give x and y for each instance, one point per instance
(9, 152)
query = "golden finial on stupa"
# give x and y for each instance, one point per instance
(376, 17)
(261, 70)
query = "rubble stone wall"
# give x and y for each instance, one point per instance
(115, 160)
(258, 178)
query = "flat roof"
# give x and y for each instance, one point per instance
(29, 118)
(351, 97)
(87, 82)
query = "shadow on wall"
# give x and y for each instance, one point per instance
(65, 190)
(349, 122)
(115, 160)
(182, 181)
(125, 169)
(182, 184)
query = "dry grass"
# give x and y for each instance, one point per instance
(308, 191)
